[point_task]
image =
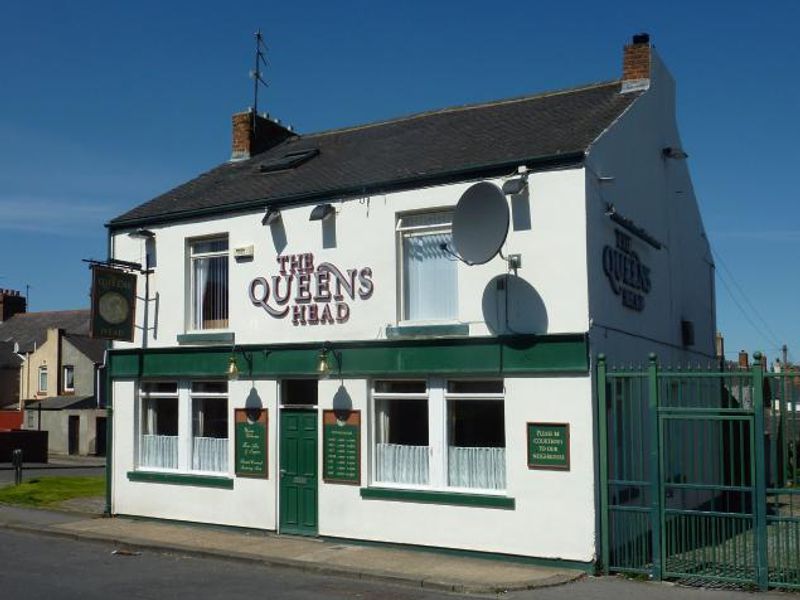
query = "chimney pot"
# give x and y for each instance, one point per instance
(641, 38)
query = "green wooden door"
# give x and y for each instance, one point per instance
(298, 472)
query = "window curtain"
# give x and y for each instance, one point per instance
(397, 463)
(159, 451)
(202, 269)
(483, 468)
(210, 454)
(431, 291)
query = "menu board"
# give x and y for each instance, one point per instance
(251, 442)
(341, 446)
(548, 446)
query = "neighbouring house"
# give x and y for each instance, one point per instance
(311, 356)
(56, 378)
(11, 303)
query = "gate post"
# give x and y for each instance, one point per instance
(655, 472)
(760, 500)
(602, 434)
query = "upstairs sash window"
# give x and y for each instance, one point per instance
(429, 283)
(209, 283)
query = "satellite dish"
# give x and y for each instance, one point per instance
(480, 223)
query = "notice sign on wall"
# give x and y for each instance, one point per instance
(341, 446)
(548, 446)
(251, 442)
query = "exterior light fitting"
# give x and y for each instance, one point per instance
(271, 216)
(512, 187)
(233, 370)
(323, 366)
(676, 153)
(142, 233)
(321, 212)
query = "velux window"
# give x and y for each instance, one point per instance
(171, 439)
(439, 434)
(429, 284)
(209, 283)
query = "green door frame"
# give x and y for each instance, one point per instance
(298, 475)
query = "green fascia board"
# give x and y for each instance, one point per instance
(181, 479)
(400, 331)
(430, 497)
(511, 355)
(222, 337)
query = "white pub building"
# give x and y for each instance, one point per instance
(316, 353)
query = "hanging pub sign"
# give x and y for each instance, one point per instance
(629, 278)
(310, 293)
(113, 304)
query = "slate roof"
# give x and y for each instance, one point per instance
(62, 402)
(8, 358)
(29, 330)
(423, 149)
(90, 347)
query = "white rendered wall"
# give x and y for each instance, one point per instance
(554, 512)
(548, 229)
(251, 502)
(656, 193)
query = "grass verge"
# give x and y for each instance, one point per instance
(47, 491)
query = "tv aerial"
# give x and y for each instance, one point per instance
(480, 225)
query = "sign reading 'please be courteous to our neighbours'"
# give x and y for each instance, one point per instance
(548, 446)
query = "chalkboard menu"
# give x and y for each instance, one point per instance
(341, 444)
(548, 446)
(251, 442)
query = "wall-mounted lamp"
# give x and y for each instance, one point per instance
(676, 153)
(321, 212)
(271, 216)
(233, 370)
(515, 186)
(323, 366)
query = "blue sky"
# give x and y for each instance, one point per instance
(104, 105)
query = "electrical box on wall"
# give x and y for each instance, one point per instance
(244, 252)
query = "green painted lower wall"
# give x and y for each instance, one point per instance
(523, 354)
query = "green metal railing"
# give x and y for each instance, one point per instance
(698, 470)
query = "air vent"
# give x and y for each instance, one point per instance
(290, 160)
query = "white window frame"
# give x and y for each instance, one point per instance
(193, 322)
(193, 395)
(437, 396)
(69, 369)
(42, 389)
(403, 232)
(184, 396)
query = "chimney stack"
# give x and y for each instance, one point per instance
(11, 303)
(744, 360)
(636, 64)
(254, 134)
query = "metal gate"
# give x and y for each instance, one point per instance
(698, 468)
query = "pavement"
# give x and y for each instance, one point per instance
(414, 567)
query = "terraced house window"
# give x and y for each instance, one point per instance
(209, 282)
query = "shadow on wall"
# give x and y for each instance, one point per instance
(512, 305)
(253, 400)
(342, 403)
(521, 210)
(278, 232)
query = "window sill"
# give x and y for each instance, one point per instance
(433, 330)
(206, 337)
(212, 481)
(431, 497)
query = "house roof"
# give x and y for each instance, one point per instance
(62, 402)
(8, 358)
(554, 128)
(90, 347)
(30, 329)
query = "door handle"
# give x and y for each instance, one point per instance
(283, 471)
